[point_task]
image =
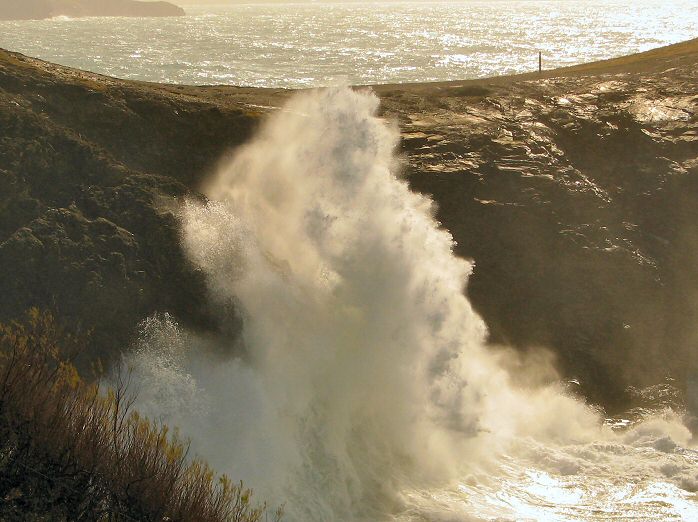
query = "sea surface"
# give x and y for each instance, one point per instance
(314, 44)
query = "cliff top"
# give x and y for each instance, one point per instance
(573, 190)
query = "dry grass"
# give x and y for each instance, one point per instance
(678, 50)
(476, 91)
(69, 452)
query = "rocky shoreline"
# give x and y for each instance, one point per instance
(574, 191)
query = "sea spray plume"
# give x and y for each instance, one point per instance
(159, 360)
(366, 370)
(332, 257)
(330, 246)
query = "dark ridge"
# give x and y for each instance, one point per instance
(39, 9)
(91, 172)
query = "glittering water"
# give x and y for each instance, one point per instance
(298, 45)
(640, 475)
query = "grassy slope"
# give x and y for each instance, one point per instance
(648, 62)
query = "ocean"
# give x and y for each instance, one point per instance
(316, 44)
(369, 392)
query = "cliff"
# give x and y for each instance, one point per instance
(574, 191)
(38, 9)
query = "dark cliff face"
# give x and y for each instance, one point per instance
(37, 9)
(577, 198)
(90, 172)
(576, 195)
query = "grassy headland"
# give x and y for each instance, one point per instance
(575, 191)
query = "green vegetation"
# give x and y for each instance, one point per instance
(69, 451)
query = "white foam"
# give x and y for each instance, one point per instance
(366, 375)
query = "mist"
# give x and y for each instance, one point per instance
(364, 389)
(366, 370)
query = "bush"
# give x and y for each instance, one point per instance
(71, 452)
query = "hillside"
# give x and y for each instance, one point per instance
(38, 9)
(575, 192)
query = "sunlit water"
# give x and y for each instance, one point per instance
(641, 476)
(299, 45)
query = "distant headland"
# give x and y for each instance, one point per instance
(39, 9)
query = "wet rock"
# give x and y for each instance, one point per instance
(577, 198)
(90, 169)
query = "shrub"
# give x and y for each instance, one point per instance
(71, 452)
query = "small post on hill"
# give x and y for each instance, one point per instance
(540, 62)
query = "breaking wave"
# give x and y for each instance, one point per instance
(364, 389)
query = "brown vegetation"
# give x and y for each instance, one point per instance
(69, 451)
